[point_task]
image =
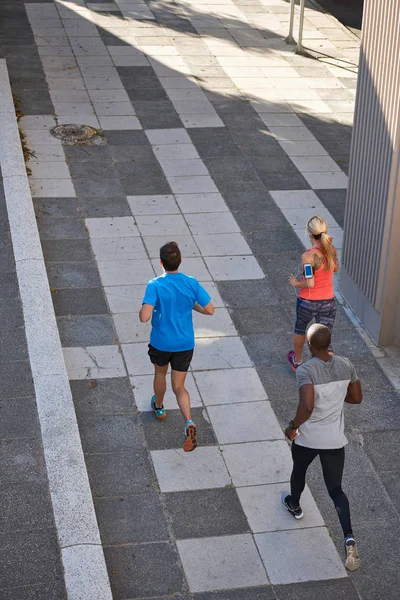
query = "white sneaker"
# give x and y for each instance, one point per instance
(352, 562)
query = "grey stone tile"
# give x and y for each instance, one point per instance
(61, 228)
(142, 154)
(131, 519)
(79, 302)
(379, 445)
(158, 560)
(332, 589)
(73, 275)
(21, 461)
(147, 94)
(11, 313)
(98, 188)
(140, 170)
(105, 207)
(250, 293)
(268, 348)
(120, 474)
(53, 590)
(140, 81)
(13, 345)
(230, 170)
(55, 207)
(256, 593)
(111, 433)
(77, 154)
(126, 138)
(335, 202)
(218, 512)
(157, 115)
(96, 169)
(269, 320)
(18, 418)
(29, 558)
(269, 240)
(102, 397)
(16, 380)
(135, 186)
(25, 506)
(86, 330)
(66, 250)
(132, 72)
(170, 432)
(280, 382)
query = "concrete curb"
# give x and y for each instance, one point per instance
(83, 560)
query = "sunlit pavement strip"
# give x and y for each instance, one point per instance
(120, 70)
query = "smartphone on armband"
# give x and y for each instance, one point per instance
(308, 271)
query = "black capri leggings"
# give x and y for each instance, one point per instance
(332, 462)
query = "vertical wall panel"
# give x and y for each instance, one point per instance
(377, 117)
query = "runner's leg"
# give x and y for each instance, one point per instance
(302, 458)
(160, 384)
(182, 395)
(332, 462)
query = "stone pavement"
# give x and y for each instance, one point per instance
(30, 564)
(217, 135)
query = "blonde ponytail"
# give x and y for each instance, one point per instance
(318, 228)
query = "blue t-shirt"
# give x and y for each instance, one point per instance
(173, 296)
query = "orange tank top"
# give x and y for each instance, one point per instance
(323, 283)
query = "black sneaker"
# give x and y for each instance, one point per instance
(296, 512)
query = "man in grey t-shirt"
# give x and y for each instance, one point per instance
(325, 383)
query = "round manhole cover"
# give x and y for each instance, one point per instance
(74, 134)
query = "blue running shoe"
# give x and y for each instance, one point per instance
(159, 412)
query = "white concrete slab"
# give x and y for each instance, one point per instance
(111, 227)
(179, 471)
(223, 268)
(93, 362)
(212, 223)
(254, 463)
(302, 555)
(125, 272)
(222, 244)
(142, 386)
(168, 136)
(245, 422)
(221, 563)
(230, 386)
(153, 205)
(220, 353)
(127, 248)
(219, 325)
(168, 225)
(129, 329)
(201, 203)
(125, 298)
(137, 360)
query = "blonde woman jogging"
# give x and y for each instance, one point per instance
(316, 299)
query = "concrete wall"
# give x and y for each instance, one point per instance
(370, 279)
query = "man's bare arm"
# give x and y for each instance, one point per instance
(208, 309)
(354, 393)
(145, 312)
(304, 409)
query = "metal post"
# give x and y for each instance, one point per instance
(299, 48)
(290, 39)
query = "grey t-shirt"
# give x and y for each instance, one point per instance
(325, 428)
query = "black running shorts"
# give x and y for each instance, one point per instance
(179, 361)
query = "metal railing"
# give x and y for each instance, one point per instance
(290, 39)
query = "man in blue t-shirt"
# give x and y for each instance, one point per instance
(169, 301)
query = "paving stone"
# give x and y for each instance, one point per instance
(131, 519)
(159, 558)
(173, 469)
(93, 362)
(102, 397)
(111, 433)
(66, 250)
(251, 293)
(234, 268)
(104, 207)
(13, 345)
(125, 272)
(88, 301)
(335, 201)
(61, 228)
(138, 154)
(73, 275)
(332, 589)
(104, 188)
(127, 248)
(169, 225)
(142, 386)
(25, 506)
(274, 464)
(253, 593)
(111, 228)
(149, 205)
(220, 353)
(11, 313)
(246, 422)
(86, 330)
(229, 562)
(272, 319)
(18, 568)
(129, 329)
(15, 380)
(218, 512)
(293, 556)
(53, 590)
(156, 114)
(264, 511)
(19, 418)
(167, 435)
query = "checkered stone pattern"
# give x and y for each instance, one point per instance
(207, 117)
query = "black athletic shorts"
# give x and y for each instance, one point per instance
(179, 361)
